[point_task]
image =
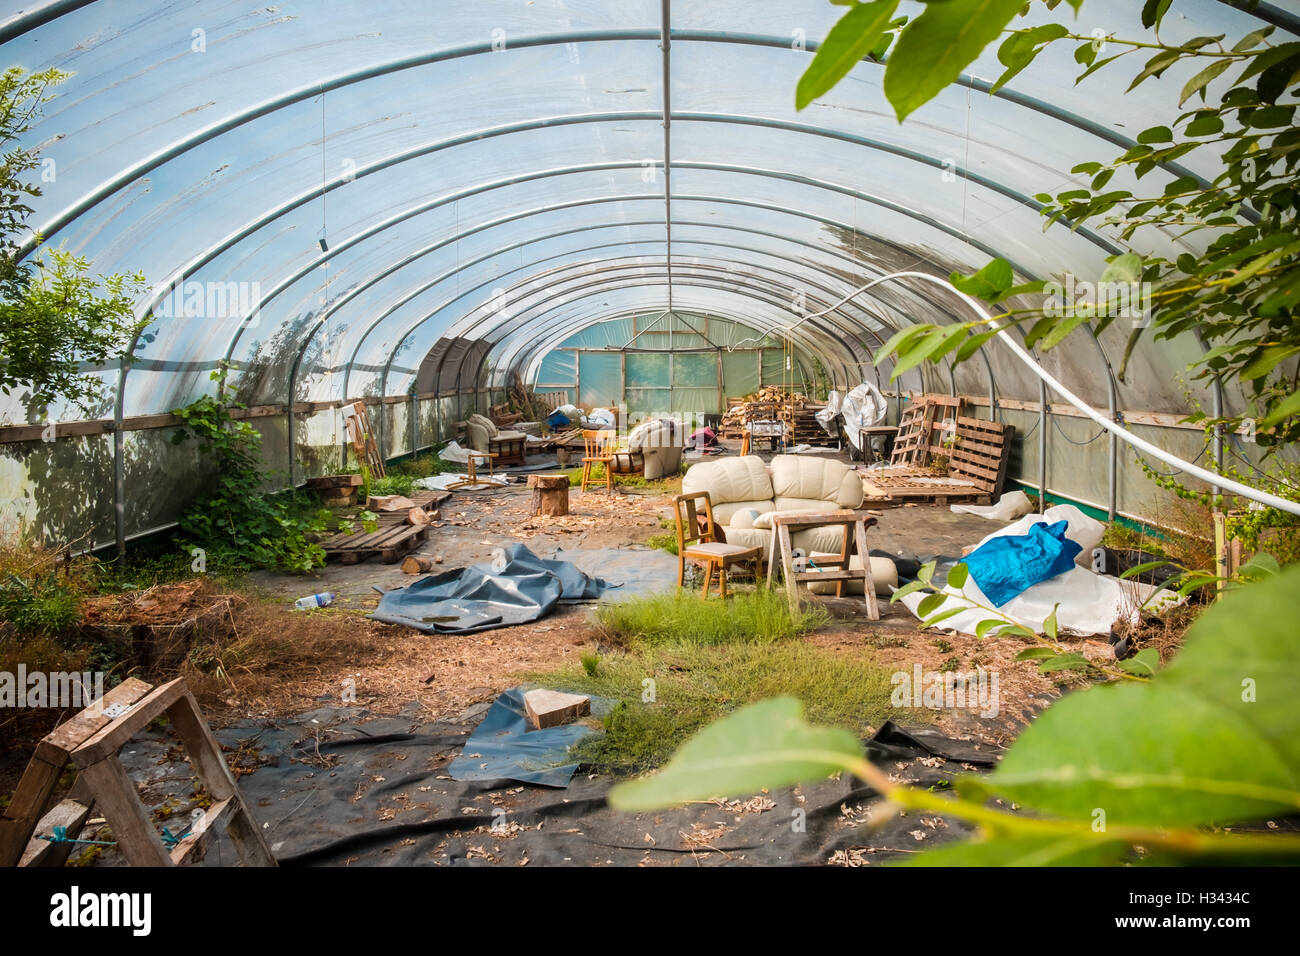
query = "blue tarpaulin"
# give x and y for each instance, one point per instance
(504, 747)
(1009, 564)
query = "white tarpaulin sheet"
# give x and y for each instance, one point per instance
(1088, 603)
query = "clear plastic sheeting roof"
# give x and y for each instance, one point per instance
(351, 187)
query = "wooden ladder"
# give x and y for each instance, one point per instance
(91, 741)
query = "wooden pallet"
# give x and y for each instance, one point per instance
(899, 484)
(391, 540)
(977, 457)
(918, 440)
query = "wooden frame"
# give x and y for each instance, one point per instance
(92, 740)
(838, 569)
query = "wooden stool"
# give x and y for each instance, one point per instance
(836, 570)
(550, 494)
(92, 740)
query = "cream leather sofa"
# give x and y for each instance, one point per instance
(660, 444)
(745, 491)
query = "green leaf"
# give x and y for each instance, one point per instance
(957, 576)
(1267, 360)
(1202, 79)
(930, 603)
(1080, 850)
(1036, 653)
(1211, 742)
(850, 40)
(1063, 662)
(1205, 124)
(934, 48)
(762, 746)
(909, 588)
(989, 283)
(943, 616)
(1143, 663)
(1123, 268)
(1019, 49)
(1049, 623)
(1155, 134)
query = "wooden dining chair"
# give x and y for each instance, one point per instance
(699, 542)
(599, 450)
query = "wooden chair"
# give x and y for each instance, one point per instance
(699, 542)
(599, 450)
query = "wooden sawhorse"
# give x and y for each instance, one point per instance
(835, 569)
(91, 740)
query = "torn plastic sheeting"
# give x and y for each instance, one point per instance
(862, 408)
(1088, 603)
(1012, 505)
(515, 588)
(505, 747)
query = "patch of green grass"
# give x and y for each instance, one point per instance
(422, 466)
(663, 542)
(395, 483)
(666, 693)
(747, 617)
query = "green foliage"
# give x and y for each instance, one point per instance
(39, 604)
(233, 519)
(393, 484)
(663, 542)
(930, 53)
(668, 692)
(53, 313)
(771, 747)
(1238, 296)
(756, 617)
(1115, 773)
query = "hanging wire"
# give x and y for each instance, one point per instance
(1167, 474)
(1057, 425)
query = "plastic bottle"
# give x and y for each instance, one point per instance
(314, 600)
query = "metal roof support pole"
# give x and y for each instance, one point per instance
(665, 45)
(119, 463)
(413, 411)
(1216, 395)
(1042, 446)
(1112, 463)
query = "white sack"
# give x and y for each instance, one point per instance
(1010, 506)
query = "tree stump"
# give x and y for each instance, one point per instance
(550, 494)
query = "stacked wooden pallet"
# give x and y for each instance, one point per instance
(940, 456)
(394, 536)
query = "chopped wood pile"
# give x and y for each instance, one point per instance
(772, 402)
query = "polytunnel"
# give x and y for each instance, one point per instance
(417, 205)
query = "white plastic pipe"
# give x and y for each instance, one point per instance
(1224, 484)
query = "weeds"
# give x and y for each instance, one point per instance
(668, 692)
(749, 617)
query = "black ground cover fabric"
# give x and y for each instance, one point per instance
(340, 787)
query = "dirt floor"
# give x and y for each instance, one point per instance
(447, 675)
(287, 674)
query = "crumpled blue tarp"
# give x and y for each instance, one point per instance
(503, 747)
(1009, 564)
(516, 588)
